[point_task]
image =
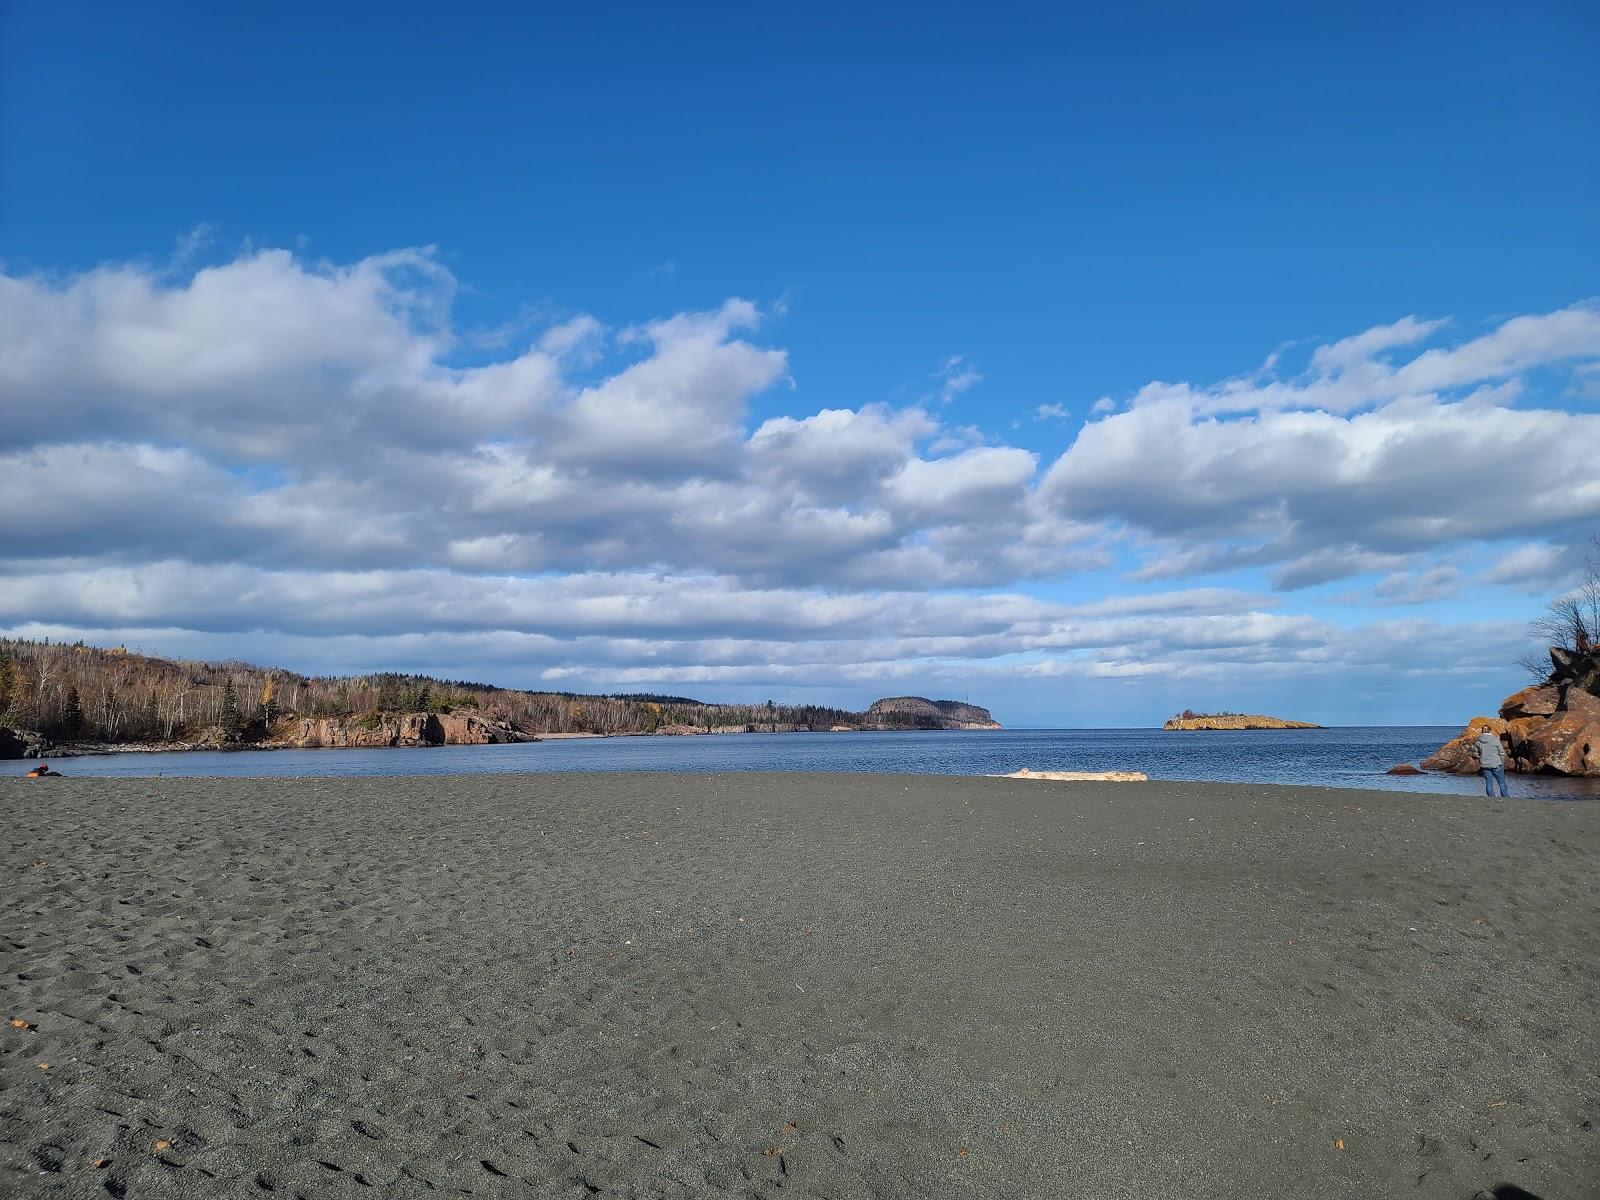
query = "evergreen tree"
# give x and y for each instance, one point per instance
(232, 723)
(72, 714)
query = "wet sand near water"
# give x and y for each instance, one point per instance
(768, 985)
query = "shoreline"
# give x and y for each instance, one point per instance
(101, 749)
(1365, 760)
(1118, 780)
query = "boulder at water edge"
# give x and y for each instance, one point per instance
(1551, 728)
(23, 743)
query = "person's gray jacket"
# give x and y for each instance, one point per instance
(1489, 752)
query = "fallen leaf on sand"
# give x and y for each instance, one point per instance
(41, 862)
(44, 1066)
(19, 1023)
(102, 1162)
(163, 1144)
(790, 1127)
(1338, 1144)
(961, 1153)
(773, 1152)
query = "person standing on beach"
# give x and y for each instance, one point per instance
(1491, 762)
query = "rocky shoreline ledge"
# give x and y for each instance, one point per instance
(418, 729)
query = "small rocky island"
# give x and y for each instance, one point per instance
(1187, 720)
(915, 712)
(1551, 728)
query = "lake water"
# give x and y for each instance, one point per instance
(1339, 757)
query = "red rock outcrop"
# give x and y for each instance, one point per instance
(1458, 755)
(1552, 728)
(392, 729)
(464, 729)
(1540, 700)
(1567, 742)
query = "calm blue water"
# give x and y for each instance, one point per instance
(1351, 757)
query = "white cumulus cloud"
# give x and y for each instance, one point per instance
(272, 447)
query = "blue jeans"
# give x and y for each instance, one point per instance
(1490, 776)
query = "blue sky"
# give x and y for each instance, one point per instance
(405, 276)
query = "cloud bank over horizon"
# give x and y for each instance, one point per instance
(307, 463)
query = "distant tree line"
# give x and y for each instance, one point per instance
(75, 692)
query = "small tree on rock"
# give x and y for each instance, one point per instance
(1571, 622)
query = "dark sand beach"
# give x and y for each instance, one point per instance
(812, 985)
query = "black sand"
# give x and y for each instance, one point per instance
(817, 985)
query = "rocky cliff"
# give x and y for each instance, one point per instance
(1551, 728)
(1235, 721)
(391, 729)
(23, 743)
(917, 712)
